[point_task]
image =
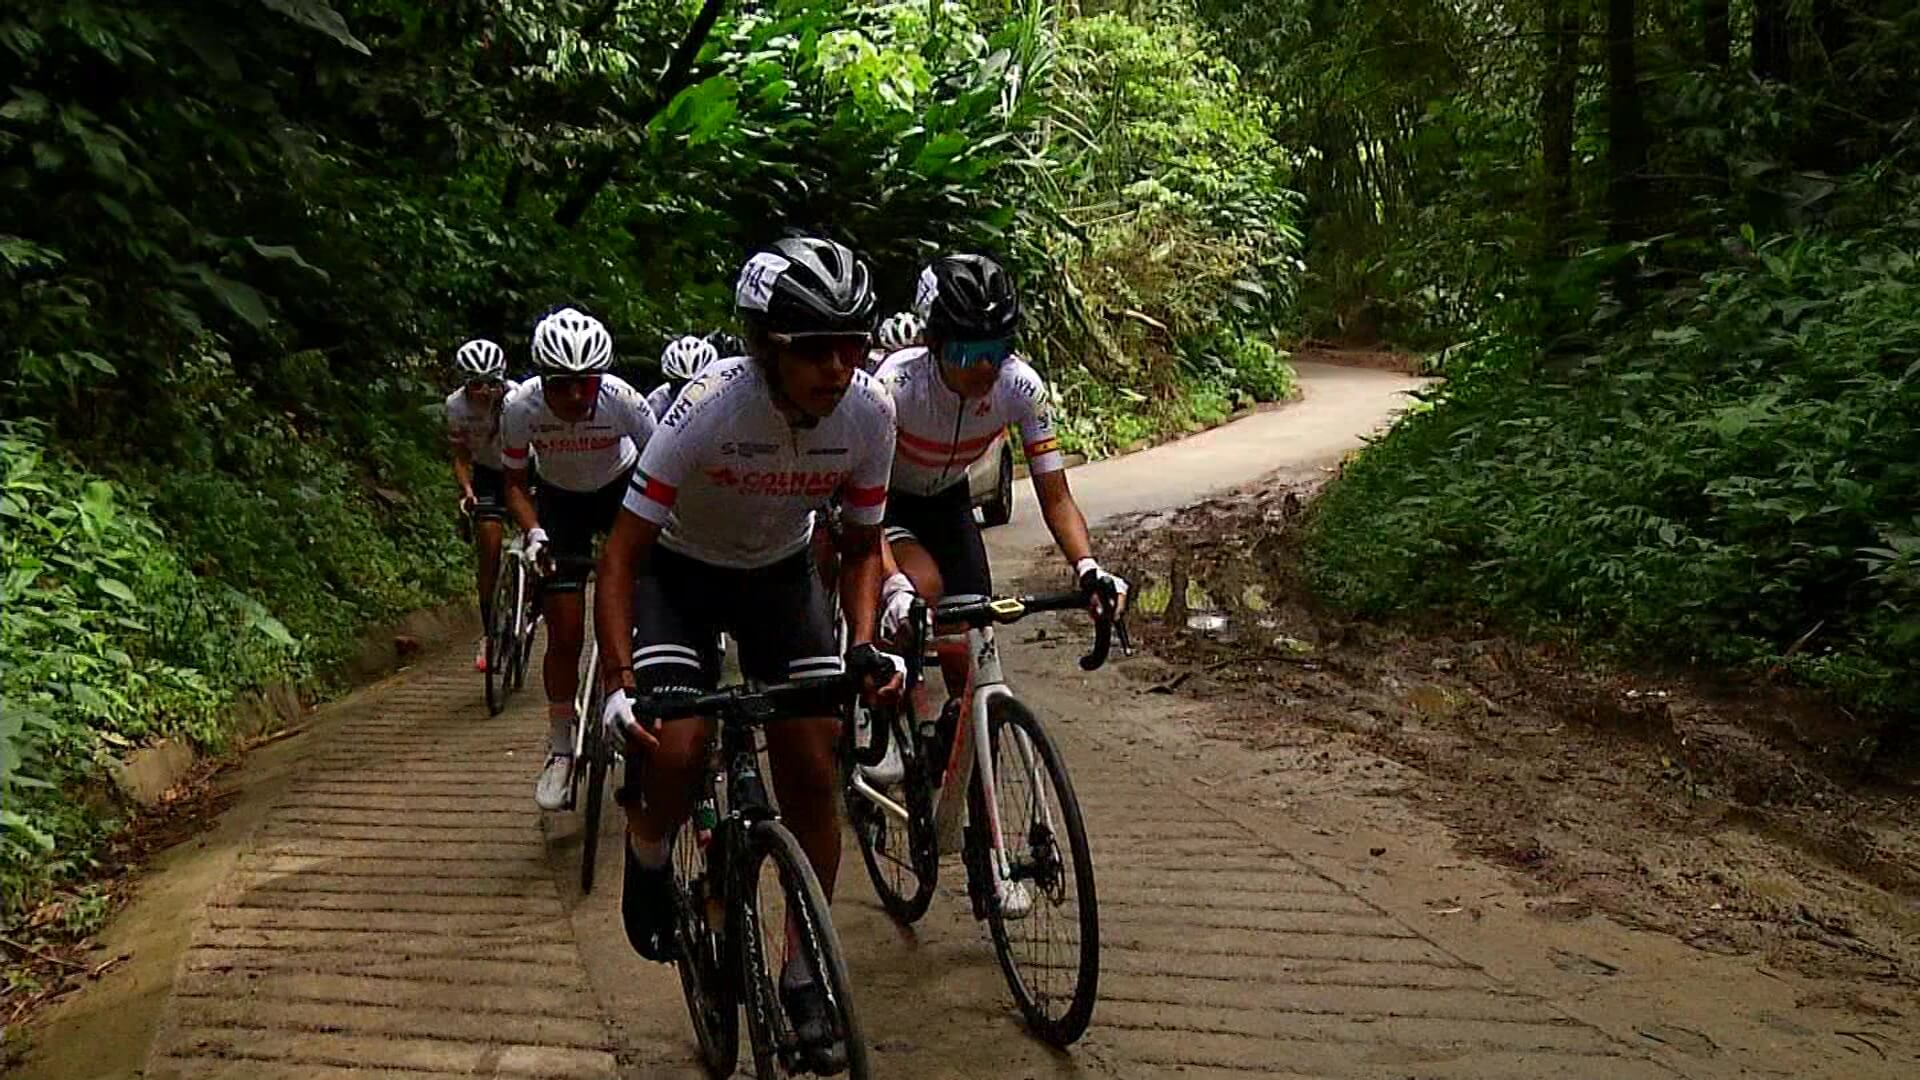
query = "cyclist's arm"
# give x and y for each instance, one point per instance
(1063, 517)
(622, 559)
(519, 499)
(463, 468)
(516, 453)
(863, 557)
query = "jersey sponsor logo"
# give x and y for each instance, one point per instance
(827, 451)
(747, 449)
(985, 408)
(579, 444)
(777, 483)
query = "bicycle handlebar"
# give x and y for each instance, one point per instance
(756, 704)
(1011, 609)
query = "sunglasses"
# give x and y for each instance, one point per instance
(966, 354)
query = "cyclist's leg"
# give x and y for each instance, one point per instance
(781, 617)
(948, 540)
(673, 649)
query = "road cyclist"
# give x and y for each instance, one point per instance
(714, 537)
(473, 434)
(585, 428)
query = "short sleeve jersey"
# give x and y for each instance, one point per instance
(475, 428)
(659, 399)
(942, 433)
(733, 483)
(583, 455)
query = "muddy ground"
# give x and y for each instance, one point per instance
(1721, 815)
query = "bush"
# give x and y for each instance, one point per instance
(1731, 477)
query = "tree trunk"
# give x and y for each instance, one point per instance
(1626, 124)
(1772, 45)
(1562, 66)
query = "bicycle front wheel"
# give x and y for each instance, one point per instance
(599, 759)
(1038, 896)
(500, 641)
(783, 920)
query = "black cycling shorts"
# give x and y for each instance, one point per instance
(489, 493)
(943, 524)
(572, 519)
(777, 613)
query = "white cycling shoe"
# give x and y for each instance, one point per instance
(555, 788)
(890, 771)
(1016, 899)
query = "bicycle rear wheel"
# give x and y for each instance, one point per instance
(1050, 952)
(764, 907)
(902, 857)
(701, 947)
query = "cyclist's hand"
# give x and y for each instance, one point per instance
(896, 606)
(621, 723)
(468, 503)
(1106, 593)
(884, 675)
(536, 545)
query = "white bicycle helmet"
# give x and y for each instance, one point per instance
(570, 342)
(685, 356)
(900, 330)
(480, 359)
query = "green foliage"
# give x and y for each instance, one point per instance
(1732, 470)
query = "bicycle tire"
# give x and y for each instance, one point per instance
(599, 756)
(500, 644)
(1039, 852)
(702, 959)
(905, 888)
(775, 1050)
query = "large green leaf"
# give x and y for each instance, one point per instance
(318, 15)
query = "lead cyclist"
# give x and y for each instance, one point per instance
(952, 398)
(713, 537)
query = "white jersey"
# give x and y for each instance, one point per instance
(660, 399)
(735, 484)
(942, 433)
(477, 429)
(583, 456)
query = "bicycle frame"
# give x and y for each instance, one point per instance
(972, 752)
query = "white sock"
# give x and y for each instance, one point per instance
(560, 735)
(652, 856)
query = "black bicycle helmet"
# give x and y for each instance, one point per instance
(968, 298)
(806, 286)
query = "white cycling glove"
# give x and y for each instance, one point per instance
(1092, 578)
(535, 544)
(617, 717)
(896, 605)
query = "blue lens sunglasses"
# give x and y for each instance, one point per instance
(966, 354)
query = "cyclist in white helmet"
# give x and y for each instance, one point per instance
(585, 427)
(682, 360)
(901, 330)
(473, 431)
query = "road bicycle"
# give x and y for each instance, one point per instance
(725, 937)
(516, 616)
(995, 788)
